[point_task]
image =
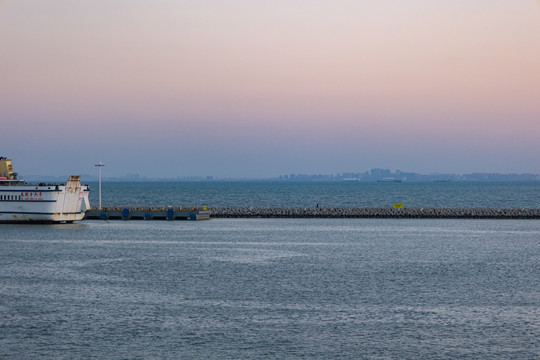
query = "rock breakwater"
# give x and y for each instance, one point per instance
(337, 212)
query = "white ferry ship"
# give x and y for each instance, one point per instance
(26, 203)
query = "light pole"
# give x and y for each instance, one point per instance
(100, 165)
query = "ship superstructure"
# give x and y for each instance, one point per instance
(42, 203)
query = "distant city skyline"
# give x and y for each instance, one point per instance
(377, 174)
(251, 89)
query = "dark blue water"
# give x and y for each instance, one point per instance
(271, 288)
(452, 194)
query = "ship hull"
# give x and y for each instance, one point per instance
(44, 204)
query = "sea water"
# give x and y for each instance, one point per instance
(338, 194)
(271, 288)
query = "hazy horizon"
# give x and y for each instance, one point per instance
(339, 176)
(252, 89)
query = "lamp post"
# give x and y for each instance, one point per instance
(100, 165)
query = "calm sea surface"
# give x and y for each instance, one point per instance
(271, 288)
(451, 194)
(277, 288)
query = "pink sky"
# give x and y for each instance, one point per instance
(258, 88)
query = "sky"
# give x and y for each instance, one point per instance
(251, 88)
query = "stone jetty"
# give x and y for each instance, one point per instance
(148, 213)
(350, 212)
(204, 213)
